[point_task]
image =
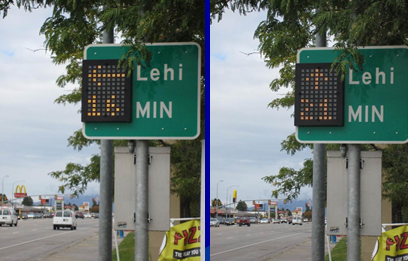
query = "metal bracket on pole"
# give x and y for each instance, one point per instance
(361, 164)
(150, 157)
(148, 217)
(134, 217)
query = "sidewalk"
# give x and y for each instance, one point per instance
(86, 250)
(303, 251)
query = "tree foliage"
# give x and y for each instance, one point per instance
(308, 215)
(94, 209)
(28, 201)
(292, 25)
(242, 206)
(75, 24)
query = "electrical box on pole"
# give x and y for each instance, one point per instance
(370, 196)
(159, 189)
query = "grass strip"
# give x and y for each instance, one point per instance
(339, 252)
(126, 248)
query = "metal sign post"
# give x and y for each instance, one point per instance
(369, 106)
(142, 218)
(161, 100)
(319, 171)
(353, 212)
(105, 189)
(202, 212)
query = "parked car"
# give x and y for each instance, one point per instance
(305, 220)
(253, 220)
(47, 215)
(276, 221)
(229, 221)
(8, 216)
(264, 221)
(284, 220)
(96, 215)
(64, 218)
(87, 215)
(38, 215)
(214, 222)
(243, 221)
(79, 215)
(221, 220)
(23, 216)
(297, 221)
(30, 215)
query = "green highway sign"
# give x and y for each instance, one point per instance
(157, 102)
(375, 99)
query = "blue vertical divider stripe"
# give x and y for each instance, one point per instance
(207, 125)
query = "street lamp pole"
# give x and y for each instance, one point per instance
(2, 189)
(12, 188)
(226, 202)
(216, 203)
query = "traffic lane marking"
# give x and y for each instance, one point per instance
(254, 244)
(38, 239)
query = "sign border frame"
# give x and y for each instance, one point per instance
(155, 138)
(347, 142)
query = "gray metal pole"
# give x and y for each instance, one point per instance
(106, 189)
(105, 208)
(2, 189)
(353, 205)
(202, 205)
(319, 171)
(216, 203)
(141, 234)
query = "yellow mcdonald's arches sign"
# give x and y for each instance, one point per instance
(18, 193)
(182, 242)
(392, 245)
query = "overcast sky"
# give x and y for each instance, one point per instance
(245, 134)
(34, 130)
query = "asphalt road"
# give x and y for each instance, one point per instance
(257, 242)
(35, 239)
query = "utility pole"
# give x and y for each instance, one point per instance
(319, 171)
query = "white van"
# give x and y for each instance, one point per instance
(64, 219)
(297, 221)
(8, 216)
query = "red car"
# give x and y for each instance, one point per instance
(79, 215)
(243, 221)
